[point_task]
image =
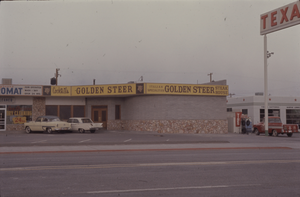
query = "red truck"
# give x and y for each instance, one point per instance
(275, 127)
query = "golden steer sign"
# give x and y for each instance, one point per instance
(120, 89)
(146, 88)
(213, 90)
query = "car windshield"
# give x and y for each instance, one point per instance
(274, 120)
(87, 121)
(54, 119)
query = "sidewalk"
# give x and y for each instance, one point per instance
(208, 142)
(148, 147)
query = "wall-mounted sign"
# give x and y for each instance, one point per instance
(47, 90)
(114, 90)
(33, 90)
(212, 90)
(60, 91)
(238, 116)
(97, 90)
(283, 17)
(7, 100)
(19, 120)
(20, 90)
(140, 88)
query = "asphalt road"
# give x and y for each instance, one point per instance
(20, 138)
(109, 164)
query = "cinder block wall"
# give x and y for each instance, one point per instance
(174, 108)
(172, 114)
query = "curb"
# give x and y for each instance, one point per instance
(131, 150)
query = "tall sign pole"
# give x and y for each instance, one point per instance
(280, 18)
(266, 86)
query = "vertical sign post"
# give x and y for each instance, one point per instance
(280, 18)
(266, 87)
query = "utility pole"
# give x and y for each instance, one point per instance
(210, 75)
(57, 74)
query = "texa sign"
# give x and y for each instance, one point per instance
(283, 17)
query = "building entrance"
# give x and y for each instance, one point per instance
(99, 115)
(2, 117)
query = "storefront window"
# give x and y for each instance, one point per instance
(78, 111)
(18, 114)
(293, 116)
(64, 112)
(271, 112)
(245, 111)
(2, 117)
(51, 110)
(118, 112)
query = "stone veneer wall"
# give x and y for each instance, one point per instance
(115, 124)
(38, 109)
(14, 127)
(171, 126)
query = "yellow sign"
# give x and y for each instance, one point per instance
(19, 113)
(60, 91)
(97, 90)
(182, 89)
(19, 120)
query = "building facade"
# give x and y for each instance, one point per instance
(287, 108)
(163, 108)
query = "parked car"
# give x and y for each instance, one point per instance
(47, 123)
(84, 124)
(275, 127)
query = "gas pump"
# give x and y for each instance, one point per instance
(246, 124)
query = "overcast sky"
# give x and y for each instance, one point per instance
(163, 41)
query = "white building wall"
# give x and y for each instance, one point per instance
(256, 114)
(65, 100)
(255, 103)
(19, 101)
(250, 112)
(23, 101)
(283, 114)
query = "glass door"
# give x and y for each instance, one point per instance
(2, 117)
(99, 115)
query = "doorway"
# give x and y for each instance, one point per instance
(2, 117)
(99, 115)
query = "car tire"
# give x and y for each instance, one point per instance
(27, 130)
(49, 130)
(289, 134)
(256, 131)
(81, 130)
(274, 132)
(92, 131)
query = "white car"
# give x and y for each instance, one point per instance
(84, 124)
(46, 123)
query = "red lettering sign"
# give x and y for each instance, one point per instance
(283, 17)
(238, 119)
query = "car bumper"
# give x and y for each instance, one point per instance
(57, 128)
(95, 128)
